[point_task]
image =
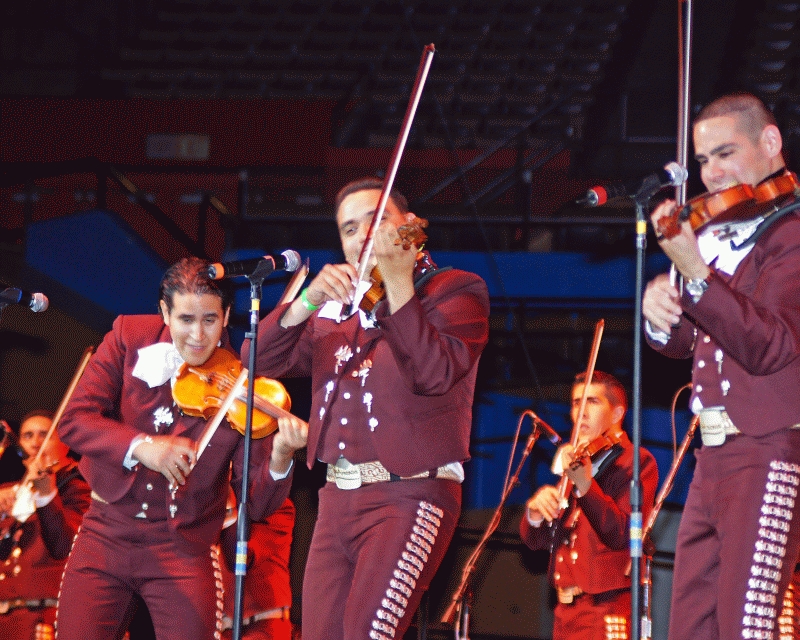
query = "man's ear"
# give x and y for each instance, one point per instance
(226, 317)
(618, 414)
(164, 311)
(771, 141)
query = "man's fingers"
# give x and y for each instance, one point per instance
(183, 466)
(186, 455)
(333, 283)
(174, 475)
(548, 511)
(292, 433)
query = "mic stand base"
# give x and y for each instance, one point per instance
(459, 603)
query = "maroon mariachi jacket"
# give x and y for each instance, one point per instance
(110, 407)
(596, 559)
(44, 541)
(744, 333)
(401, 393)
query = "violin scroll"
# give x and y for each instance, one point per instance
(412, 233)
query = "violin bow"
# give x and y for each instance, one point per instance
(684, 86)
(213, 425)
(563, 484)
(235, 391)
(297, 280)
(34, 465)
(394, 164)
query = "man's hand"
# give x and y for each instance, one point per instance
(578, 471)
(395, 263)
(660, 304)
(335, 282)
(292, 435)
(172, 456)
(682, 249)
(45, 482)
(544, 504)
(8, 495)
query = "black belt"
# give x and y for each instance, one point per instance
(20, 603)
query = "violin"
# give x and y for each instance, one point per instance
(739, 202)
(565, 484)
(601, 443)
(776, 190)
(409, 234)
(200, 391)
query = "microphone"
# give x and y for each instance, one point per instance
(672, 175)
(289, 260)
(35, 301)
(549, 432)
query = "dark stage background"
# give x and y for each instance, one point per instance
(136, 132)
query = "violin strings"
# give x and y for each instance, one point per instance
(225, 383)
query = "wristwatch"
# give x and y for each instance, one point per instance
(696, 287)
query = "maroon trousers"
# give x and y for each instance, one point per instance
(738, 539)
(593, 617)
(374, 552)
(112, 559)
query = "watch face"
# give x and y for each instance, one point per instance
(696, 288)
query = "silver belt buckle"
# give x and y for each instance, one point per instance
(346, 475)
(712, 428)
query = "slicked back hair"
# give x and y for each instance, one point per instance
(614, 391)
(190, 275)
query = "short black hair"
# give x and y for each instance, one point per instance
(750, 112)
(190, 275)
(36, 413)
(614, 391)
(368, 184)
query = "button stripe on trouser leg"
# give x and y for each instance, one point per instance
(409, 568)
(761, 607)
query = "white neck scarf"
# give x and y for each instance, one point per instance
(157, 363)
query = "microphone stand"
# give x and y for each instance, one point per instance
(462, 598)
(647, 542)
(262, 270)
(636, 428)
